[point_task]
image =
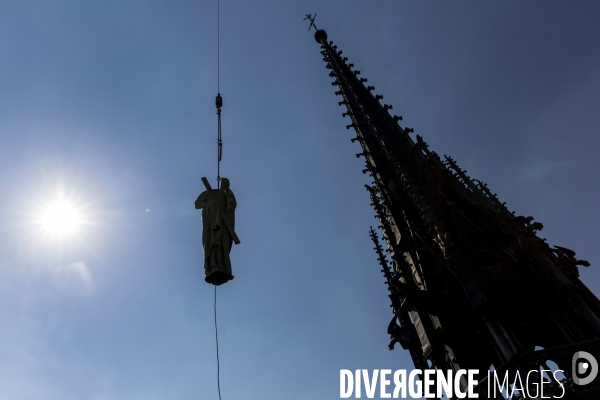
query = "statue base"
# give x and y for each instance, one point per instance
(218, 278)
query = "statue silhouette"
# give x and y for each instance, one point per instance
(218, 223)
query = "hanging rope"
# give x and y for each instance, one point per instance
(217, 340)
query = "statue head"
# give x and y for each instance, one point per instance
(224, 183)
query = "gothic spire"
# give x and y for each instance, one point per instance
(471, 284)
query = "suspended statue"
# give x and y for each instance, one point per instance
(218, 235)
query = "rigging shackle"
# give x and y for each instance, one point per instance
(219, 100)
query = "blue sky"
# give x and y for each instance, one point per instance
(112, 104)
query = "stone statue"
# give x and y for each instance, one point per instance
(218, 235)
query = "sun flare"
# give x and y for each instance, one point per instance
(57, 217)
(61, 218)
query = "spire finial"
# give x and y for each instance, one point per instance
(311, 18)
(320, 34)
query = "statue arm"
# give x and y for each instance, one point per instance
(231, 202)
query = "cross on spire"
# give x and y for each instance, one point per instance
(311, 18)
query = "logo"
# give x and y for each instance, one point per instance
(464, 383)
(584, 367)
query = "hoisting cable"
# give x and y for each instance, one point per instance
(218, 103)
(219, 99)
(218, 46)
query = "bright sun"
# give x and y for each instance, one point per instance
(61, 218)
(58, 216)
